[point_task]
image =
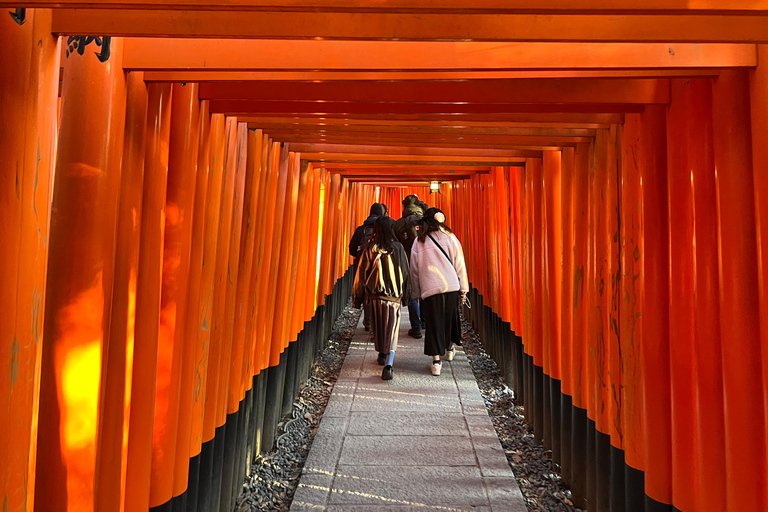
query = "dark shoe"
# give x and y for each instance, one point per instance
(367, 328)
(386, 373)
(382, 359)
(414, 333)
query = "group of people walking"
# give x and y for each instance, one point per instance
(416, 262)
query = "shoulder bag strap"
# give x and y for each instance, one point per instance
(441, 248)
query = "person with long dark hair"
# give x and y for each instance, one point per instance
(439, 278)
(383, 280)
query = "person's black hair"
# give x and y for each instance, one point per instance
(383, 233)
(429, 223)
(378, 209)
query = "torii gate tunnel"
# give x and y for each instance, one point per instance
(179, 181)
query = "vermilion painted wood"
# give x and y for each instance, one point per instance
(153, 54)
(236, 159)
(612, 369)
(305, 108)
(189, 365)
(580, 287)
(29, 57)
(503, 211)
(595, 280)
(632, 297)
(214, 167)
(180, 198)
(546, 6)
(759, 102)
(516, 202)
(148, 289)
(254, 166)
(300, 313)
(656, 379)
(262, 251)
(283, 289)
(706, 298)
(401, 26)
(79, 277)
(739, 293)
(222, 162)
(537, 260)
(684, 152)
(247, 164)
(491, 252)
(534, 126)
(552, 177)
(280, 166)
(566, 274)
(115, 398)
(563, 90)
(330, 209)
(260, 76)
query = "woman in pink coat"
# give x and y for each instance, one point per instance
(439, 278)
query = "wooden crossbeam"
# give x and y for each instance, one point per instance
(588, 120)
(695, 28)
(511, 127)
(154, 54)
(349, 152)
(416, 130)
(439, 139)
(245, 108)
(421, 6)
(262, 76)
(558, 90)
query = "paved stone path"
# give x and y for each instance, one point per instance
(417, 442)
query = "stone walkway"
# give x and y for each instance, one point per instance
(417, 442)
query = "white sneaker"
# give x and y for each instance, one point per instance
(436, 367)
(450, 352)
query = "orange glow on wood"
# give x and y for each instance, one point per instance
(28, 85)
(420, 27)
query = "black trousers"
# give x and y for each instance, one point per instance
(441, 322)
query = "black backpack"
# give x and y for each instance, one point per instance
(367, 233)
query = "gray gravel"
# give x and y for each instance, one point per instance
(542, 487)
(275, 475)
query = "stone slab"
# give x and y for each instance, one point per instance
(407, 451)
(341, 399)
(406, 424)
(410, 486)
(326, 446)
(385, 401)
(490, 454)
(312, 493)
(505, 495)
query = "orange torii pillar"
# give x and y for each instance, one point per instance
(213, 429)
(148, 290)
(201, 433)
(80, 274)
(187, 465)
(759, 100)
(116, 396)
(745, 429)
(182, 167)
(29, 58)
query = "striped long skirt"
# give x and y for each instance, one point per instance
(385, 324)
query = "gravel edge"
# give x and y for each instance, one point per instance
(539, 480)
(275, 475)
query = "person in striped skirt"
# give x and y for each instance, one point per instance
(383, 279)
